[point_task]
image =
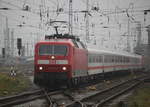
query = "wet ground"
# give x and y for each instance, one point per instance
(124, 99)
(80, 93)
(35, 103)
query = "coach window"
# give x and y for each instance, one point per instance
(112, 59)
(105, 58)
(131, 60)
(135, 60)
(115, 58)
(127, 60)
(121, 59)
(124, 59)
(97, 59)
(118, 59)
(100, 59)
(108, 58)
(88, 59)
(92, 59)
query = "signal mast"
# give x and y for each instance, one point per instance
(70, 18)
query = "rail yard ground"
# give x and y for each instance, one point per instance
(10, 85)
(140, 97)
(24, 81)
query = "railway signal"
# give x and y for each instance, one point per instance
(3, 52)
(19, 45)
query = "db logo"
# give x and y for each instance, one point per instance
(52, 61)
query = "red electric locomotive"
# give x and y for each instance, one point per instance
(57, 59)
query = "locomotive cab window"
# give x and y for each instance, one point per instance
(53, 50)
(80, 45)
(75, 43)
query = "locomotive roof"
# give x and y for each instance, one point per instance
(62, 36)
(114, 53)
(56, 40)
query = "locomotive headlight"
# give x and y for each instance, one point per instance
(52, 57)
(40, 68)
(64, 68)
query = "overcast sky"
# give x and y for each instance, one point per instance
(108, 26)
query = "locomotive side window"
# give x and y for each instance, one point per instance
(83, 45)
(53, 50)
(75, 43)
(79, 45)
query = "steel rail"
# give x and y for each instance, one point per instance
(19, 99)
(136, 82)
(100, 104)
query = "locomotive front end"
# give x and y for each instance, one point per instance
(52, 64)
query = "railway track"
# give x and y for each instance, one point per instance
(102, 97)
(65, 98)
(25, 97)
(59, 99)
(53, 99)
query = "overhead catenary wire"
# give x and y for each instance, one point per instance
(108, 12)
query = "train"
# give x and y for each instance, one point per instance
(65, 61)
